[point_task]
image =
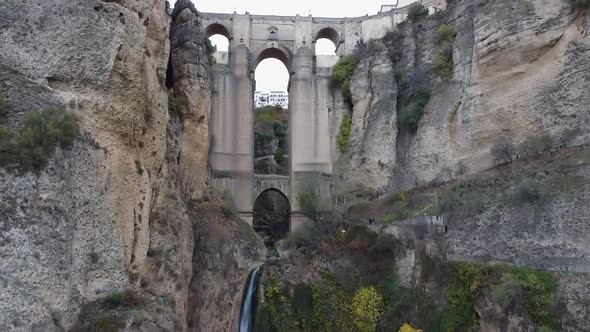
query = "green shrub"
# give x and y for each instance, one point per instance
(210, 49)
(126, 298)
(536, 145)
(411, 114)
(416, 12)
(502, 150)
(309, 202)
(538, 294)
(279, 155)
(505, 292)
(229, 207)
(173, 105)
(342, 73)
(269, 115)
(367, 308)
(444, 38)
(4, 107)
(528, 191)
(466, 281)
(42, 132)
(344, 133)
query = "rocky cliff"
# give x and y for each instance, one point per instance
(105, 236)
(518, 73)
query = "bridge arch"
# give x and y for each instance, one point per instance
(271, 215)
(217, 29)
(275, 51)
(329, 33)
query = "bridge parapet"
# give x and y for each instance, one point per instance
(266, 182)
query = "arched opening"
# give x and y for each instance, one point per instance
(327, 41)
(218, 36)
(271, 104)
(325, 46)
(220, 42)
(271, 216)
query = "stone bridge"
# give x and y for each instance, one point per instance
(290, 39)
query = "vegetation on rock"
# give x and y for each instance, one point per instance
(416, 12)
(344, 133)
(367, 308)
(42, 132)
(444, 39)
(210, 49)
(309, 201)
(413, 109)
(270, 137)
(502, 150)
(342, 73)
(408, 328)
(4, 107)
(466, 281)
(173, 105)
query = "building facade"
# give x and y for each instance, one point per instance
(271, 98)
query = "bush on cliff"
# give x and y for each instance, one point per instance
(467, 281)
(416, 12)
(210, 50)
(4, 107)
(502, 150)
(309, 202)
(344, 133)
(43, 131)
(367, 308)
(412, 112)
(444, 39)
(173, 105)
(342, 73)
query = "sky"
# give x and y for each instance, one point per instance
(271, 74)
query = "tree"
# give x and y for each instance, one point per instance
(42, 132)
(502, 150)
(367, 308)
(408, 328)
(342, 73)
(416, 12)
(536, 145)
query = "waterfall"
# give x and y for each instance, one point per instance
(248, 301)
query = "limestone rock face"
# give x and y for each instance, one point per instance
(519, 72)
(80, 230)
(191, 86)
(226, 249)
(370, 157)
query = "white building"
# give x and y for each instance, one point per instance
(271, 98)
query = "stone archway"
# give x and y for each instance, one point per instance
(274, 50)
(217, 29)
(329, 33)
(272, 211)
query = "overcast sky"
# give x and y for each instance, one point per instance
(271, 74)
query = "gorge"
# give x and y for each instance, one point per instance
(436, 174)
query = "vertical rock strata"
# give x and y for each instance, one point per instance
(519, 72)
